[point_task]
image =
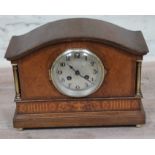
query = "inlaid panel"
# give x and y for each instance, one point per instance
(76, 106)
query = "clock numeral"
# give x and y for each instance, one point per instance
(77, 87)
(68, 58)
(85, 56)
(92, 79)
(62, 64)
(95, 71)
(77, 55)
(62, 80)
(86, 84)
(69, 85)
(86, 77)
(69, 78)
(59, 72)
(92, 63)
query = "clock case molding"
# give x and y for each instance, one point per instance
(32, 55)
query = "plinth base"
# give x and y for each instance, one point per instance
(77, 119)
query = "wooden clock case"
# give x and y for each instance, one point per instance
(117, 102)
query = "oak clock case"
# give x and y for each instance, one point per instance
(85, 72)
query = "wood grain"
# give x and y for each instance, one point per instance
(119, 80)
(106, 118)
(76, 29)
(114, 103)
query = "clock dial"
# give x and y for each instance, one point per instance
(77, 72)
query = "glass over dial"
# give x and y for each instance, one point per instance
(77, 72)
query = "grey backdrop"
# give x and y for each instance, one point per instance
(17, 25)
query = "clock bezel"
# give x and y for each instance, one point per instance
(82, 93)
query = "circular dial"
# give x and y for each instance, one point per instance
(77, 72)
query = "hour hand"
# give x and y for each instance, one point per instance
(71, 67)
(77, 72)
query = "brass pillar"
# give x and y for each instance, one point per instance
(16, 81)
(138, 78)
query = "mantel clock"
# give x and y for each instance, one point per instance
(77, 72)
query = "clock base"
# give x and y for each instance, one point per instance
(77, 119)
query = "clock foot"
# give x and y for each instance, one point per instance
(19, 129)
(139, 125)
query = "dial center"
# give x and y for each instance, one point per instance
(77, 72)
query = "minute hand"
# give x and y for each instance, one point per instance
(84, 78)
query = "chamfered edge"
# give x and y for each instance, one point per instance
(76, 29)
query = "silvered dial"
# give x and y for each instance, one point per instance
(77, 72)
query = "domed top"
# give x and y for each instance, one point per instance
(76, 29)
